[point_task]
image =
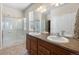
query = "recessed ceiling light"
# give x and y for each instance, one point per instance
(41, 9)
(57, 4)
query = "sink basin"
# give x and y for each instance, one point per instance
(34, 33)
(58, 39)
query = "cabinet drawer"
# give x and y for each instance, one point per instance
(43, 50)
(33, 43)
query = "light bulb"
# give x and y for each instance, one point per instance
(57, 4)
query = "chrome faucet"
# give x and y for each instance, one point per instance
(58, 34)
(62, 33)
(33, 28)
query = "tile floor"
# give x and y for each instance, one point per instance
(14, 50)
(13, 43)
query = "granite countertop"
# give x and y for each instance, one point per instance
(73, 44)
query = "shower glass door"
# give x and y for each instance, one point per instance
(13, 31)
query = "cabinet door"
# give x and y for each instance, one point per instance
(43, 48)
(44, 44)
(59, 51)
(28, 43)
(33, 45)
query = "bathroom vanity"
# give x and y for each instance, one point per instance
(40, 45)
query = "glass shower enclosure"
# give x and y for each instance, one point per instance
(13, 31)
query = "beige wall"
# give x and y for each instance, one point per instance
(64, 9)
(9, 11)
(56, 11)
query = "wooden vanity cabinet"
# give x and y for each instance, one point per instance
(36, 46)
(43, 48)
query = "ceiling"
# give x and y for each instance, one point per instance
(20, 6)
